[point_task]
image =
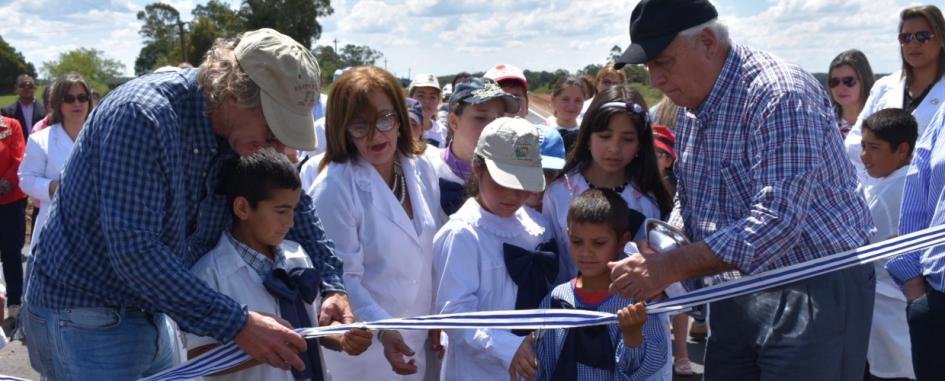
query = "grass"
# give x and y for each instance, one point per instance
(10, 98)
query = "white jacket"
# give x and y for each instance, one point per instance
(887, 92)
(46, 154)
(388, 258)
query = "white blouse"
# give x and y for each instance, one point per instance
(471, 276)
(46, 154)
(887, 92)
(558, 199)
(388, 257)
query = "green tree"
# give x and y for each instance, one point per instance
(358, 55)
(12, 64)
(91, 63)
(296, 18)
(162, 25)
(211, 21)
(635, 73)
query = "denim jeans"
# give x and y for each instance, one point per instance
(96, 343)
(926, 316)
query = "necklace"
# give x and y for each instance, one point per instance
(399, 187)
(617, 189)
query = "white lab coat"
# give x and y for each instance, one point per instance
(887, 92)
(388, 258)
(46, 154)
(558, 199)
(471, 276)
(225, 271)
(889, 352)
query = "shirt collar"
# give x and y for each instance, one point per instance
(723, 84)
(256, 260)
(458, 166)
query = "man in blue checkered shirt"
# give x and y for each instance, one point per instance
(763, 184)
(137, 206)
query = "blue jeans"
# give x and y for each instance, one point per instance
(96, 343)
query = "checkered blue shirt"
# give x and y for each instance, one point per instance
(763, 178)
(260, 263)
(137, 208)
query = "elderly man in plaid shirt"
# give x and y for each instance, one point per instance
(763, 183)
(137, 207)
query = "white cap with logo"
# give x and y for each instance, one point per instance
(512, 152)
(288, 79)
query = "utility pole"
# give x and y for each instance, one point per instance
(336, 45)
(183, 43)
(385, 63)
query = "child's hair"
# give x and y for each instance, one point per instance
(893, 125)
(643, 171)
(256, 176)
(472, 183)
(600, 206)
(609, 70)
(566, 82)
(460, 77)
(590, 86)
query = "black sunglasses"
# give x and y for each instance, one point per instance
(922, 37)
(27, 85)
(846, 81)
(69, 98)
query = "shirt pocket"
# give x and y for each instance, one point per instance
(736, 191)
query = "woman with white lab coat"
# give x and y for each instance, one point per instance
(374, 198)
(922, 79)
(47, 150)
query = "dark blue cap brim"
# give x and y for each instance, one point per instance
(638, 53)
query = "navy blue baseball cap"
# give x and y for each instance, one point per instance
(655, 23)
(480, 90)
(415, 110)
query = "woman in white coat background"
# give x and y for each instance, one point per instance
(47, 150)
(375, 200)
(919, 87)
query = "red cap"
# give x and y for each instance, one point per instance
(664, 139)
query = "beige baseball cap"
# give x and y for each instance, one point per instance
(511, 149)
(288, 79)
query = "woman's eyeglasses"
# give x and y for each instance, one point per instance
(69, 98)
(384, 123)
(846, 81)
(922, 37)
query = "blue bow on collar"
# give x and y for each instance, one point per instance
(590, 346)
(295, 290)
(452, 196)
(569, 138)
(533, 271)
(636, 222)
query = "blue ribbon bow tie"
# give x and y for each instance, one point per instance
(533, 271)
(452, 196)
(295, 290)
(590, 346)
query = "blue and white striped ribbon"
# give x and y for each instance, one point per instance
(229, 355)
(11, 378)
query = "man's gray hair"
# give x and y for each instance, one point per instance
(717, 27)
(220, 76)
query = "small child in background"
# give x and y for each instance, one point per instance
(598, 228)
(415, 112)
(889, 137)
(257, 267)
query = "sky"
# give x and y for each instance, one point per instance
(444, 37)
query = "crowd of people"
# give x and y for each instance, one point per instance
(233, 202)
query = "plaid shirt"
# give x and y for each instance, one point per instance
(256, 260)
(763, 178)
(137, 208)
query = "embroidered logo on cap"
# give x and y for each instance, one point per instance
(522, 148)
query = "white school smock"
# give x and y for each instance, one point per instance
(225, 271)
(47, 151)
(889, 352)
(441, 171)
(438, 133)
(470, 272)
(388, 258)
(887, 92)
(558, 199)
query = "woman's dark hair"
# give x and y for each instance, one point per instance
(566, 82)
(864, 74)
(61, 89)
(643, 171)
(256, 176)
(601, 206)
(933, 16)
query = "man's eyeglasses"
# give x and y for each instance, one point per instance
(846, 81)
(69, 98)
(26, 85)
(922, 37)
(384, 123)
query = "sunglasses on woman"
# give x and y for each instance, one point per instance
(846, 81)
(384, 123)
(69, 98)
(922, 37)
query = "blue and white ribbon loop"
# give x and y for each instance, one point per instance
(230, 355)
